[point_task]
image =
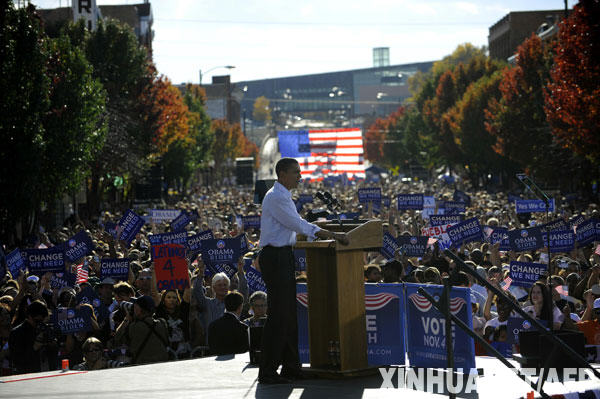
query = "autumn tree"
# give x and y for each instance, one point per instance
(572, 97)
(377, 138)
(261, 111)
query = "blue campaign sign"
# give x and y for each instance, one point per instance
(460, 196)
(500, 234)
(251, 222)
(88, 295)
(129, 225)
(61, 280)
(180, 222)
(384, 304)
(522, 240)
(305, 199)
(557, 224)
(344, 216)
(513, 198)
(527, 206)
(169, 238)
(412, 245)
(561, 240)
(443, 220)
(227, 268)
(426, 342)
(224, 250)
(586, 232)
(366, 195)
(254, 278)
(194, 243)
(78, 246)
(111, 228)
(515, 324)
(524, 274)
(389, 247)
(70, 320)
(300, 257)
(386, 201)
(454, 207)
(576, 221)
(40, 261)
(15, 263)
(410, 201)
(117, 269)
(463, 232)
(163, 215)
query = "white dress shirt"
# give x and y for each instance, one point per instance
(280, 220)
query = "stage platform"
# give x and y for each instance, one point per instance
(226, 377)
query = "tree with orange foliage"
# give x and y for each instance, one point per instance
(377, 145)
(573, 93)
(230, 143)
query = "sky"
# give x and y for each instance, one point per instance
(277, 38)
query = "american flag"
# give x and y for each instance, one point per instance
(82, 272)
(505, 285)
(321, 153)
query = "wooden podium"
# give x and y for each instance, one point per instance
(336, 296)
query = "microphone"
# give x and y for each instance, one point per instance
(332, 200)
(322, 197)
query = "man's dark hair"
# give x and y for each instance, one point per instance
(233, 301)
(284, 164)
(461, 279)
(37, 308)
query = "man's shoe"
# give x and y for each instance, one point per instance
(296, 375)
(275, 379)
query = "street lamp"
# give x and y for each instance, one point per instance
(212, 69)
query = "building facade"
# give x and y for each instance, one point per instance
(508, 33)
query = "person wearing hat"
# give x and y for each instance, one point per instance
(147, 337)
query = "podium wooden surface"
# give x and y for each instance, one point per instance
(336, 295)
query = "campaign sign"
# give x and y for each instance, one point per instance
(454, 207)
(513, 198)
(460, 196)
(78, 246)
(70, 320)
(515, 324)
(524, 274)
(254, 278)
(500, 234)
(427, 333)
(464, 232)
(428, 207)
(410, 201)
(384, 304)
(117, 269)
(163, 215)
(366, 195)
(386, 201)
(576, 221)
(88, 295)
(527, 206)
(111, 228)
(227, 268)
(194, 243)
(168, 238)
(224, 250)
(440, 233)
(441, 220)
(522, 240)
(15, 263)
(305, 199)
(344, 216)
(389, 247)
(171, 267)
(40, 261)
(412, 245)
(561, 240)
(180, 222)
(61, 280)
(300, 257)
(586, 232)
(129, 225)
(557, 224)
(251, 222)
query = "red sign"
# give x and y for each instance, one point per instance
(170, 266)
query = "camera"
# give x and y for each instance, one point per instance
(127, 307)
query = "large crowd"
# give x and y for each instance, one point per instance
(132, 322)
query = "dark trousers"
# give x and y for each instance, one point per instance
(280, 335)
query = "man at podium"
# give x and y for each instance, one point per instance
(279, 224)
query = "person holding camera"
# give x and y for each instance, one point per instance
(147, 337)
(32, 344)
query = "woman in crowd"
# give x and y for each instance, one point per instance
(176, 312)
(542, 307)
